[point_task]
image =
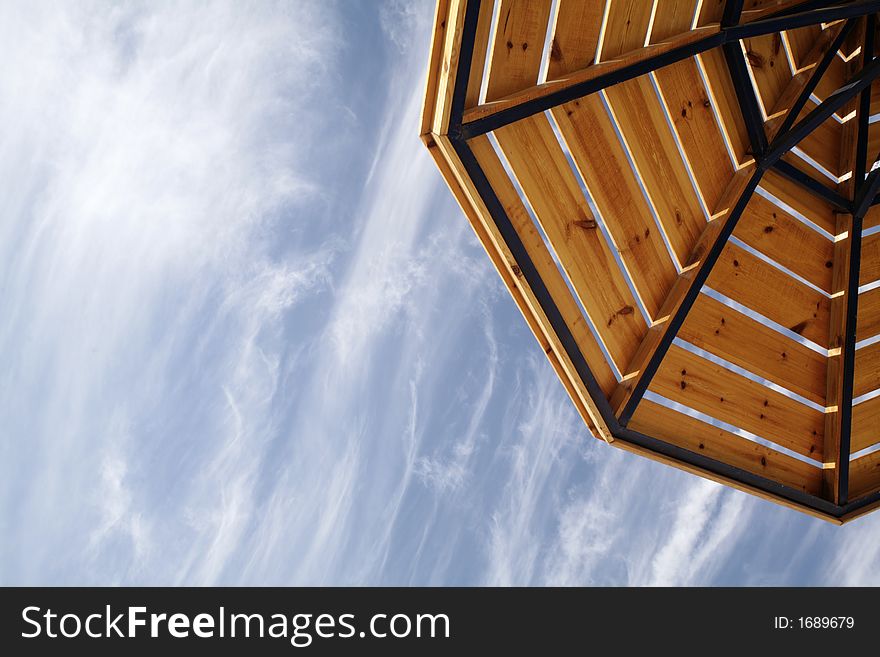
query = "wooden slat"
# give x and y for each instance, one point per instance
(626, 27)
(769, 65)
(873, 149)
(517, 46)
(556, 198)
(586, 74)
(478, 59)
(712, 10)
(475, 210)
(737, 338)
(720, 86)
(834, 78)
(600, 157)
(869, 314)
(711, 389)
(639, 115)
(798, 82)
(771, 293)
(782, 238)
(737, 484)
(690, 108)
(672, 17)
(870, 262)
(865, 425)
(707, 440)
(867, 371)
(872, 217)
(438, 89)
(807, 168)
(543, 261)
(802, 41)
(695, 265)
(864, 475)
(823, 144)
(815, 209)
(576, 29)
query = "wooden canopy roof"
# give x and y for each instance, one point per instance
(679, 195)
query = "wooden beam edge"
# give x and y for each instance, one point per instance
(440, 148)
(733, 483)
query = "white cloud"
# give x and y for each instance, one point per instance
(150, 155)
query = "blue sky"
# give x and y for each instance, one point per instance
(248, 337)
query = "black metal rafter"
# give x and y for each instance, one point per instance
(816, 75)
(864, 191)
(812, 185)
(742, 82)
(746, 96)
(459, 133)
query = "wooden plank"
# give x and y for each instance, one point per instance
(543, 261)
(478, 59)
(771, 293)
(802, 42)
(576, 29)
(807, 168)
(648, 349)
(435, 66)
(589, 134)
(865, 425)
(711, 12)
(713, 442)
(741, 340)
(552, 190)
(835, 77)
(475, 210)
(815, 209)
(639, 115)
(451, 30)
(720, 87)
(797, 83)
(824, 143)
(864, 476)
(872, 217)
(771, 230)
(517, 46)
(870, 262)
(866, 376)
(869, 314)
(672, 17)
(733, 483)
(689, 106)
(769, 66)
(586, 74)
(626, 27)
(711, 389)
(873, 149)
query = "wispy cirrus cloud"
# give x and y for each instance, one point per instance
(248, 337)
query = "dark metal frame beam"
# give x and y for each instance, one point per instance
(459, 134)
(812, 185)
